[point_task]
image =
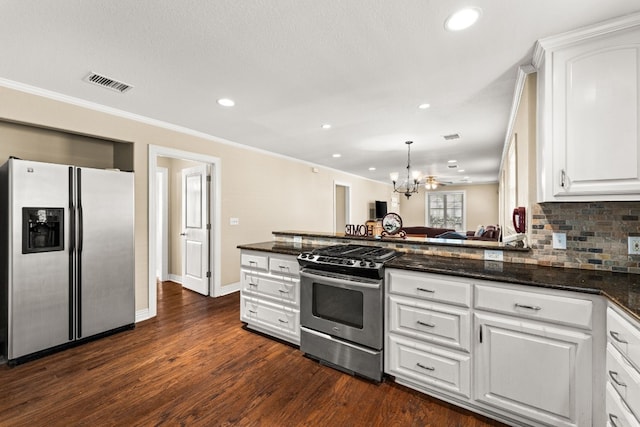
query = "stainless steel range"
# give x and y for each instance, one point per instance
(342, 307)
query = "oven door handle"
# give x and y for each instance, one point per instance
(343, 283)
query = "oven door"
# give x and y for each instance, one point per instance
(346, 307)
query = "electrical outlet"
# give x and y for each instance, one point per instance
(634, 245)
(234, 221)
(490, 255)
(559, 240)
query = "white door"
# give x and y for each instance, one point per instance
(195, 236)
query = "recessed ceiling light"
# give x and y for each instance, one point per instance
(460, 170)
(452, 161)
(424, 106)
(226, 102)
(337, 155)
(464, 18)
(466, 177)
(326, 126)
(372, 169)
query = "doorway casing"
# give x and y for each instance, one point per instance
(215, 286)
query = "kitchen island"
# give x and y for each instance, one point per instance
(526, 344)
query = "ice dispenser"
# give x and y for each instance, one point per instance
(42, 230)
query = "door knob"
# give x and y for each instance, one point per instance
(183, 234)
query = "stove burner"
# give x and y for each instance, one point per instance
(356, 251)
(355, 260)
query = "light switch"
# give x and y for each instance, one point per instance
(559, 240)
(234, 221)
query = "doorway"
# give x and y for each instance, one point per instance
(341, 206)
(208, 202)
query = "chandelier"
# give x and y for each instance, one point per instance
(412, 183)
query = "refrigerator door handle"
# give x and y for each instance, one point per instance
(72, 248)
(79, 257)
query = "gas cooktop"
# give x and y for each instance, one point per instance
(357, 260)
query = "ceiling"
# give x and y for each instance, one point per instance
(362, 66)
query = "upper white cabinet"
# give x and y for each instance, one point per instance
(589, 113)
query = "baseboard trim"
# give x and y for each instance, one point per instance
(142, 315)
(175, 278)
(228, 289)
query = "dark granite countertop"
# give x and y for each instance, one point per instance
(621, 288)
(423, 241)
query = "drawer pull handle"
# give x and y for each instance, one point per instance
(283, 291)
(428, 368)
(283, 267)
(253, 311)
(252, 284)
(530, 307)
(614, 377)
(616, 336)
(426, 290)
(612, 420)
(283, 321)
(430, 325)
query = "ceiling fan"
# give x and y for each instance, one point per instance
(431, 183)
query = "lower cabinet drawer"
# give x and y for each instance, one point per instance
(429, 366)
(544, 307)
(255, 260)
(430, 322)
(280, 289)
(624, 335)
(617, 413)
(284, 321)
(283, 265)
(624, 378)
(434, 287)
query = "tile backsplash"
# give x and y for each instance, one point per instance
(597, 235)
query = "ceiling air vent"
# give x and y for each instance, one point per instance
(107, 82)
(451, 137)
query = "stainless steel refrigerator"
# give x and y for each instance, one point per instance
(66, 257)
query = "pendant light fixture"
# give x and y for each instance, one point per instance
(412, 183)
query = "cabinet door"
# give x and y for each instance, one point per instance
(534, 370)
(596, 149)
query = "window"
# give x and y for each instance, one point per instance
(446, 210)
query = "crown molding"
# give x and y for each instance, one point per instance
(595, 30)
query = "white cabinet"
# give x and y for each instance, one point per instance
(622, 369)
(534, 354)
(428, 332)
(519, 354)
(534, 370)
(589, 113)
(270, 294)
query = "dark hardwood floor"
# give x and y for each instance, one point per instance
(195, 365)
